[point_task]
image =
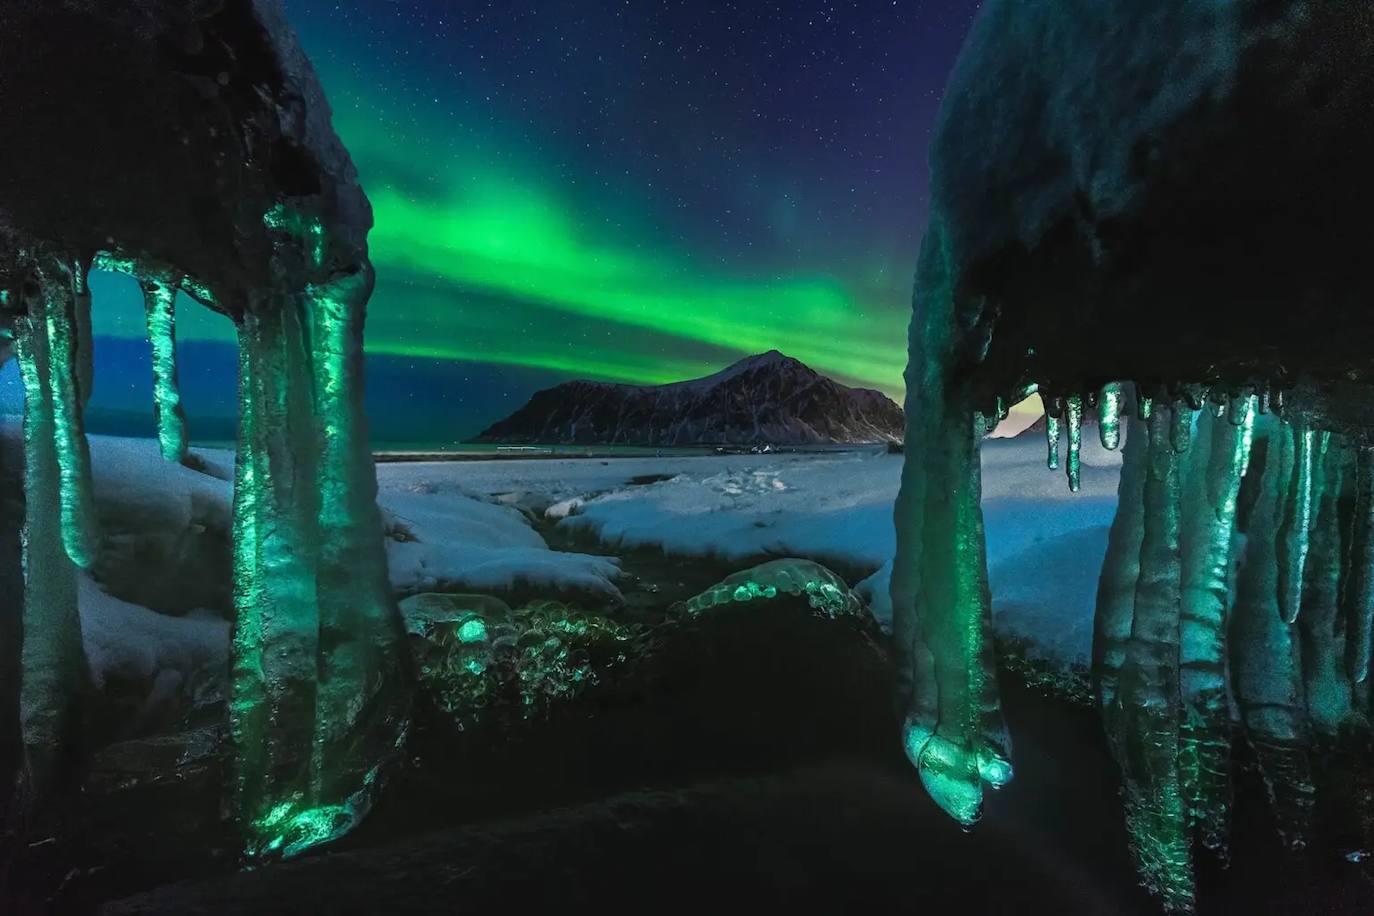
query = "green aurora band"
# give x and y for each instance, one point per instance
(491, 258)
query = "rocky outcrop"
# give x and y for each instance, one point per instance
(769, 398)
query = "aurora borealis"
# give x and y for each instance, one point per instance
(632, 191)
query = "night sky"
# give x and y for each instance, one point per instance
(638, 191)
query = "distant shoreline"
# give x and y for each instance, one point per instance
(605, 452)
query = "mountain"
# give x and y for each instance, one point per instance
(769, 398)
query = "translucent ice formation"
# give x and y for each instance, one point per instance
(234, 189)
(1094, 224)
(826, 592)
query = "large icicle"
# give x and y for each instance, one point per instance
(1181, 429)
(1109, 416)
(360, 717)
(1299, 505)
(1146, 709)
(52, 662)
(276, 630)
(319, 699)
(1120, 571)
(1217, 463)
(1358, 594)
(60, 303)
(159, 305)
(1326, 683)
(1264, 649)
(942, 609)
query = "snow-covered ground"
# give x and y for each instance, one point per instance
(471, 526)
(1045, 544)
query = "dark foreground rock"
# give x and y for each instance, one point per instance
(749, 689)
(838, 838)
(851, 833)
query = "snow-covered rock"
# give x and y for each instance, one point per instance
(442, 537)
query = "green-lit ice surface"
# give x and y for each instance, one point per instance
(485, 665)
(159, 301)
(826, 592)
(1203, 623)
(318, 698)
(952, 727)
(57, 499)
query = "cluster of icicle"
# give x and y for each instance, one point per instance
(51, 316)
(316, 704)
(1238, 576)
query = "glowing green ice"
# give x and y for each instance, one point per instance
(52, 663)
(1073, 413)
(159, 301)
(1109, 415)
(826, 592)
(318, 699)
(952, 725)
(67, 361)
(472, 631)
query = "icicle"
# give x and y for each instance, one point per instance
(941, 604)
(159, 304)
(1074, 415)
(1358, 595)
(1052, 439)
(1146, 710)
(52, 662)
(362, 710)
(1120, 574)
(1212, 485)
(1326, 685)
(61, 328)
(1109, 416)
(1181, 427)
(1264, 650)
(319, 698)
(1294, 532)
(85, 337)
(276, 630)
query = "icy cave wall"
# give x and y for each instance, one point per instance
(189, 144)
(1173, 195)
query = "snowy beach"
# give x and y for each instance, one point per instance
(486, 527)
